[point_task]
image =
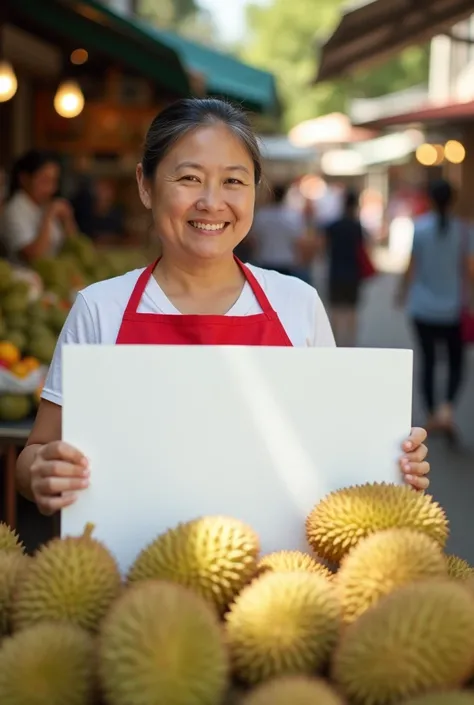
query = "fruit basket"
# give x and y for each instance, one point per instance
(374, 612)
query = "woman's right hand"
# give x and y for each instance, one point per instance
(58, 471)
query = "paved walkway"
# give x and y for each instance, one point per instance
(452, 474)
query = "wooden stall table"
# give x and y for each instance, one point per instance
(13, 437)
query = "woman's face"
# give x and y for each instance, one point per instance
(42, 185)
(203, 194)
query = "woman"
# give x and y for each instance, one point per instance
(35, 221)
(198, 177)
(440, 269)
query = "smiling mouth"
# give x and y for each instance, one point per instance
(209, 227)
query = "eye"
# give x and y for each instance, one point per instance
(235, 182)
(190, 177)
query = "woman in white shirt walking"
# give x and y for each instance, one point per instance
(198, 177)
(35, 221)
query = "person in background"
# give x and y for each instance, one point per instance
(98, 214)
(277, 233)
(341, 241)
(440, 270)
(35, 221)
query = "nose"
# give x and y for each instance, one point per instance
(211, 198)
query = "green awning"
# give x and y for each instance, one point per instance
(224, 75)
(97, 27)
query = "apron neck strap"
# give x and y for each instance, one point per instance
(145, 276)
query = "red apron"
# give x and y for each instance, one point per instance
(189, 329)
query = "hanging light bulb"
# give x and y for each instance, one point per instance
(8, 81)
(69, 99)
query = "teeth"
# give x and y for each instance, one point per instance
(207, 226)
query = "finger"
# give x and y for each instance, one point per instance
(419, 483)
(57, 485)
(58, 468)
(418, 469)
(59, 450)
(418, 455)
(416, 438)
(51, 505)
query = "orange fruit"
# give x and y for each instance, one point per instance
(19, 369)
(9, 353)
(31, 362)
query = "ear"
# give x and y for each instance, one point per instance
(143, 187)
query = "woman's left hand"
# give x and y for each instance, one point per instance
(413, 463)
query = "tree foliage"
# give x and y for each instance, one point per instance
(283, 36)
(183, 16)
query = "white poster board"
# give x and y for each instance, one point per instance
(261, 434)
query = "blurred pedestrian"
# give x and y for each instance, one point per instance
(35, 221)
(279, 234)
(434, 287)
(344, 242)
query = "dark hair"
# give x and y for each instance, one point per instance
(185, 115)
(279, 193)
(29, 163)
(441, 194)
(351, 200)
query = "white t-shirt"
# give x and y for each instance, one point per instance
(20, 226)
(97, 313)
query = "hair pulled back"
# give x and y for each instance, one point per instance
(188, 114)
(441, 194)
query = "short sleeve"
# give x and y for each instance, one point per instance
(19, 228)
(78, 329)
(323, 334)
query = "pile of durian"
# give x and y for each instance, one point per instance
(375, 613)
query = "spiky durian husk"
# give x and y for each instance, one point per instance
(458, 568)
(13, 564)
(215, 556)
(282, 624)
(162, 643)
(383, 562)
(450, 697)
(73, 579)
(293, 690)
(9, 539)
(418, 639)
(290, 562)
(344, 517)
(48, 664)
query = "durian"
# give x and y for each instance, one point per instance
(162, 643)
(458, 568)
(9, 539)
(13, 564)
(48, 664)
(449, 697)
(215, 556)
(293, 690)
(345, 516)
(383, 562)
(290, 562)
(282, 624)
(72, 579)
(418, 639)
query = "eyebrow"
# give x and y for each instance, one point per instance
(199, 167)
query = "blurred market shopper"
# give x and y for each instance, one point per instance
(35, 221)
(277, 230)
(198, 177)
(436, 288)
(344, 242)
